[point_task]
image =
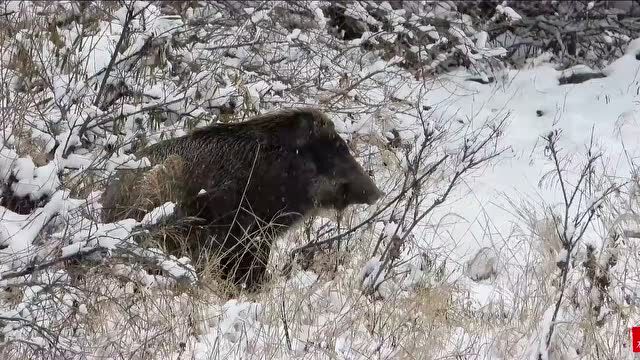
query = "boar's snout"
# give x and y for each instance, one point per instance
(341, 179)
(361, 190)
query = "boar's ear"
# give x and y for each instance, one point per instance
(312, 125)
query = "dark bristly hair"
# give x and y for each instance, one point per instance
(259, 177)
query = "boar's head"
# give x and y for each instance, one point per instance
(339, 180)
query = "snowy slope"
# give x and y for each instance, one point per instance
(609, 106)
(606, 108)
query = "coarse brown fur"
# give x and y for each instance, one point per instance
(259, 177)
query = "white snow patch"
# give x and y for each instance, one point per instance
(159, 213)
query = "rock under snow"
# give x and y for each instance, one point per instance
(483, 266)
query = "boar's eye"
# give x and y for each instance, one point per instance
(343, 148)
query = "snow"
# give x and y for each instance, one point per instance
(35, 182)
(17, 232)
(99, 49)
(154, 216)
(302, 280)
(259, 16)
(127, 162)
(511, 14)
(107, 236)
(483, 265)
(370, 275)
(538, 349)
(575, 108)
(294, 34)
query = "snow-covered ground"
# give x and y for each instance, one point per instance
(603, 110)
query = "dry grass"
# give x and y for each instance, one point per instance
(141, 191)
(149, 322)
(164, 182)
(26, 145)
(140, 322)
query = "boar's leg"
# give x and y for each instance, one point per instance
(248, 266)
(246, 256)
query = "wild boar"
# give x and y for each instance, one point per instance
(247, 183)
